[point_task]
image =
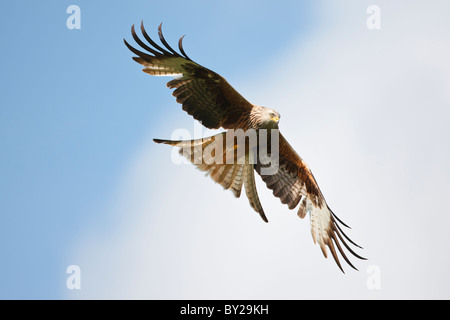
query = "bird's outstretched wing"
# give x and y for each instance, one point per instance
(295, 185)
(204, 94)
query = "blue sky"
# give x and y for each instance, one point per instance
(82, 183)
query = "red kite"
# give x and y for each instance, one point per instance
(210, 99)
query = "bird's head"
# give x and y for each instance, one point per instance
(270, 118)
(264, 118)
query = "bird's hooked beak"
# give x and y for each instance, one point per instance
(276, 119)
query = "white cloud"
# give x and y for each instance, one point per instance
(368, 110)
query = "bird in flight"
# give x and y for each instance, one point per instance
(210, 99)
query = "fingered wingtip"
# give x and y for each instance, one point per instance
(153, 48)
(362, 258)
(127, 44)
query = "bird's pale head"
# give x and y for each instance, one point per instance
(267, 118)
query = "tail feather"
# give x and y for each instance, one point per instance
(250, 190)
(230, 176)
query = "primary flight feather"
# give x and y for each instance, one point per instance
(210, 99)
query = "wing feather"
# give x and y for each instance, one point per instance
(204, 94)
(294, 183)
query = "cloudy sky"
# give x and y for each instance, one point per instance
(83, 184)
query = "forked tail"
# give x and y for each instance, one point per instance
(223, 165)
